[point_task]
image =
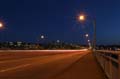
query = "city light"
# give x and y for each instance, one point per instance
(58, 41)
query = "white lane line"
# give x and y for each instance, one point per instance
(14, 68)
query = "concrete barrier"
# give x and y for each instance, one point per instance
(110, 62)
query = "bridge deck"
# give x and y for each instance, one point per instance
(85, 68)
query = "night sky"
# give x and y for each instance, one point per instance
(26, 20)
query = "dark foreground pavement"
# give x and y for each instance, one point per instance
(85, 68)
(73, 65)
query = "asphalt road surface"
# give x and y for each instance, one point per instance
(37, 64)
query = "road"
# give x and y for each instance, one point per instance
(37, 64)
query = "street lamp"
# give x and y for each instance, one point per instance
(87, 35)
(1, 24)
(88, 40)
(82, 18)
(1, 27)
(90, 45)
(42, 37)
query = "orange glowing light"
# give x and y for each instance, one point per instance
(82, 17)
(1, 25)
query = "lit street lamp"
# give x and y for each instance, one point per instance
(82, 18)
(42, 37)
(1, 24)
(88, 40)
(86, 35)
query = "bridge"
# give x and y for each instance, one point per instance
(59, 64)
(109, 62)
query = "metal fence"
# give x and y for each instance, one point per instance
(110, 62)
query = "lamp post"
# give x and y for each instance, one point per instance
(82, 18)
(94, 41)
(40, 38)
(1, 26)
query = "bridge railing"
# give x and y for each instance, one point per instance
(110, 62)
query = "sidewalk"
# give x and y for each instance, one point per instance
(85, 68)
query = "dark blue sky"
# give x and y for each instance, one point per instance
(26, 20)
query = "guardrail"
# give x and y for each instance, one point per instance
(110, 62)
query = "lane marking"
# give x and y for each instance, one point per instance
(14, 68)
